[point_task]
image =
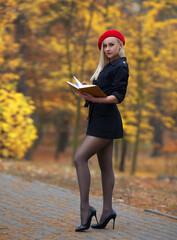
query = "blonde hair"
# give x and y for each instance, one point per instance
(104, 60)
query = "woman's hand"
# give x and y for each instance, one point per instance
(86, 96)
(108, 99)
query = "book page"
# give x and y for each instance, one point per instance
(87, 86)
(79, 84)
(73, 84)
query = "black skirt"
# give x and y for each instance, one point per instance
(104, 121)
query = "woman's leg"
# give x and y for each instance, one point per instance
(88, 148)
(107, 175)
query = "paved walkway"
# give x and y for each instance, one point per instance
(34, 210)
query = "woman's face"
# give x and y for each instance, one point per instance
(111, 48)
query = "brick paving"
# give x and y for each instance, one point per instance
(34, 210)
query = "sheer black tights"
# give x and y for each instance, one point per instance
(103, 148)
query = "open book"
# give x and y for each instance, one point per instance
(94, 90)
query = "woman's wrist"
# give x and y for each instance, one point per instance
(99, 99)
(108, 99)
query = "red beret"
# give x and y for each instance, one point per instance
(110, 33)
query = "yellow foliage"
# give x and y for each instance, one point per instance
(17, 131)
(58, 47)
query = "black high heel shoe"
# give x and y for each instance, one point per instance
(111, 215)
(92, 212)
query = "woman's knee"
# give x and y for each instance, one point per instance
(77, 159)
(80, 158)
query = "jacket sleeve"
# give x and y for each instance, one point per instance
(120, 82)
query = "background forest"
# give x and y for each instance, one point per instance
(43, 43)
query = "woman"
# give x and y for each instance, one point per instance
(104, 125)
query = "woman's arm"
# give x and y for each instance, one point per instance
(108, 99)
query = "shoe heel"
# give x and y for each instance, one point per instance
(96, 218)
(113, 223)
(111, 215)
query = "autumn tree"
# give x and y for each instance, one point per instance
(17, 131)
(152, 45)
(44, 43)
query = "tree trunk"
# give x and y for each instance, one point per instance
(61, 135)
(22, 86)
(20, 39)
(31, 150)
(139, 95)
(123, 155)
(135, 153)
(158, 127)
(116, 152)
(77, 128)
